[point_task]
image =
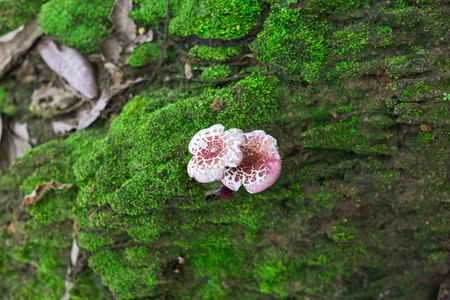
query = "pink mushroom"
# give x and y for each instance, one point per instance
(260, 167)
(214, 150)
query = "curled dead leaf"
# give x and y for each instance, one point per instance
(42, 188)
(71, 65)
(16, 43)
(144, 38)
(61, 127)
(11, 229)
(86, 118)
(122, 23)
(10, 35)
(14, 143)
(49, 100)
(110, 49)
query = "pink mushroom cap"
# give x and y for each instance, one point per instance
(260, 167)
(213, 150)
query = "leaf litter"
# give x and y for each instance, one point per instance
(14, 44)
(39, 191)
(71, 65)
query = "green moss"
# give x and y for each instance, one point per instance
(88, 286)
(294, 41)
(213, 53)
(16, 13)
(224, 19)
(271, 275)
(256, 103)
(351, 136)
(149, 12)
(5, 106)
(216, 72)
(148, 52)
(350, 41)
(94, 240)
(346, 219)
(131, 281)
(79, 24)
(48, 227)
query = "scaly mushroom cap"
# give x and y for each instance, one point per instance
(214, 150)
(260, 167)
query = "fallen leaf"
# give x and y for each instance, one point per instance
(14, 143)
(10, 35)
(21, 132)
(7, 151)
(71, 65)
(122, 23)
(11, 229)
(110, 49)
(61, 127)
(42, 188)
(144, 38)
(50, 100)
(15, 44)
(86, 118)
(115, 73)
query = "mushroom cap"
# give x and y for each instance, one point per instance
(213, 150)
(260, 167)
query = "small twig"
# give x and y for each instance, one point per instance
(356, 113)
(164, 46)
(232, 78)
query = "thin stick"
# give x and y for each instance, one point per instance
(232, 78)
(164, 46)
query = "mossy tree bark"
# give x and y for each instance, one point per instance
(361, 209)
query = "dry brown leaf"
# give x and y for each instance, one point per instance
(16, 44)
(61, 127)
(110, 49)
(71, 65)
(13, 144)
(38, 192)
(144, 38)
(49, 100)
(7, 151)
(10, 35)
(86, 118)
(122, 23)
(11, 229)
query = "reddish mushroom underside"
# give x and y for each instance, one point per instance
(260, 167)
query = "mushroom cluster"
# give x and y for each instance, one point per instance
(235, 158)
